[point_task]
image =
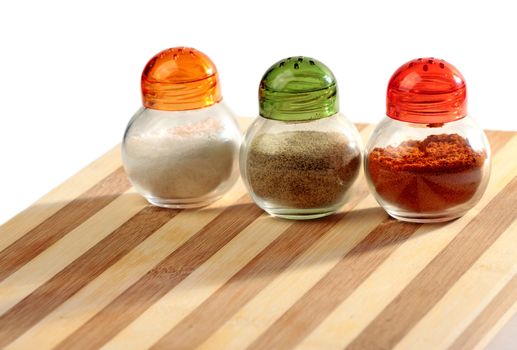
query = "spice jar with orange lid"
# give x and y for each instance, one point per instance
(180, 149)
(427, 161)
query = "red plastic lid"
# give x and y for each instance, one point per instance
(427, 91)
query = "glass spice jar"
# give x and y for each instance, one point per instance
(427, 161)
(180, 150)
(300, 156)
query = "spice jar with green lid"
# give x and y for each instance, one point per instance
(301, 155)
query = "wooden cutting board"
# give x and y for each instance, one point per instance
(92, 265)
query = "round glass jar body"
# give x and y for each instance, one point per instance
(300, 170)
(427, 172)
(182, 159)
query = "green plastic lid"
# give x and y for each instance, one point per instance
(297, 89)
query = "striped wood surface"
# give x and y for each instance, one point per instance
(92, 265)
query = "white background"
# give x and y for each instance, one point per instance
(70, 71)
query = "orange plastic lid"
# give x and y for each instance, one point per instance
(428, 91)
(179, 79)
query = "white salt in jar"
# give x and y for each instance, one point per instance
(180, 149)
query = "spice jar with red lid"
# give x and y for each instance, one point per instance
(427, 161)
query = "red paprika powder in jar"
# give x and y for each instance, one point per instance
(427, 161)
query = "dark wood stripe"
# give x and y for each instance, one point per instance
(63, 221)
(498, 139)
(431, 284)
(360, 126)
(163, 277)
(330, 291)
(80, 272)
(488, 317)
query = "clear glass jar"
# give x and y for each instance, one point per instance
(300, 170)
(411, 191)
(182, 159)
(180, 150)
(301, 156)
(427, 161)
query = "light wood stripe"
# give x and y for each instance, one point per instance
(244, 123)
(368, 300)
(63, 221)
(491, 314)
(82, 306)
(55, 258)
(430, 285)
(56, 199)
(81, 271)
(163, 277)
(469, 295)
